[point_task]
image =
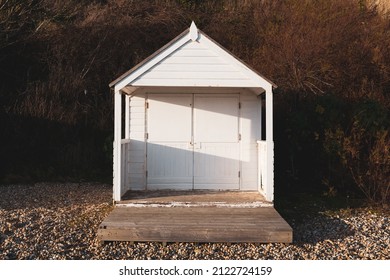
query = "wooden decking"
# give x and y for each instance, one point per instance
(198, 198)
(195, 217)
(195, 224)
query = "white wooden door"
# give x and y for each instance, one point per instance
(216, 142)
(169, 149)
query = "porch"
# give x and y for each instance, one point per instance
(195, 216)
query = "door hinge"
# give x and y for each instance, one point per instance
(239, 105)
(239, 137)
(147, 105)
(146, 136)
(239, 174)
(146, 173)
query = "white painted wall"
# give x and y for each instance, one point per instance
(137, 148)
(194, 64)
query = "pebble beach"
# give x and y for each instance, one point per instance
(59, 221)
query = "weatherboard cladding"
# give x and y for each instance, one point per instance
(194, 63)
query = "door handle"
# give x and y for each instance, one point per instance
(196, 145)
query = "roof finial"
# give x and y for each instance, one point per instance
(193, 32)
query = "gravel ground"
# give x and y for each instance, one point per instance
(59, 221)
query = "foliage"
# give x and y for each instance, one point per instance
(364, 149)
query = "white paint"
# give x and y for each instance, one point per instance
(217, 166)
(169, 156)
(197, 63)
(269, 183)
(216, 118)
(249, 129)
(195, 83)
(216, 158)
(197, 204)
(192, 149)
(149, 64)
(230, 59)
(193, 32)
(262, 165)
(127, 117)
(137, 146)
(169, 118)
(250, 132)
(117, 180)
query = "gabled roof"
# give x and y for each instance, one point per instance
(192, 59)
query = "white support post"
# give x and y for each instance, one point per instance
(270, 143)
(127, 116)
(259, 166)
(117, 144)
(260, 117)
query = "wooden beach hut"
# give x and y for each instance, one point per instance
(193, 148)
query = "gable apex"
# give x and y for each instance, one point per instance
(193, 32)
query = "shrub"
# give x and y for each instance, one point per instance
(363, 148)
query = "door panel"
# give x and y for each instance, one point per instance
(216, 166)
(216, 119)
(216, 146)
(170, 166)
(169, 118)
(169, 153)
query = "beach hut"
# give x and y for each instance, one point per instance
(193, 127)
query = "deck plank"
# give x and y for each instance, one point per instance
(196, 224)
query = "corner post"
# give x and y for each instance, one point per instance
(117, 144)
(270, 143)
(127, 116)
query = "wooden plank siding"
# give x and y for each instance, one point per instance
(190, 65)
(195, 224)
(137, 146)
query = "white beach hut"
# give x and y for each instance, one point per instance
(193, 119)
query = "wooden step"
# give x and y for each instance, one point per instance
(195, 224)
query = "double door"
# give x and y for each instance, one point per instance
(193, 141)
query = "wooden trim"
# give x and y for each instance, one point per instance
(270, 144)
(127, 116)
(117, 145)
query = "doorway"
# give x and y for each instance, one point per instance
(193, 141)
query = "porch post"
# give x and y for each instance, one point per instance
(259, 146)
(127, 116)
(270, 143)
(117, 144)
